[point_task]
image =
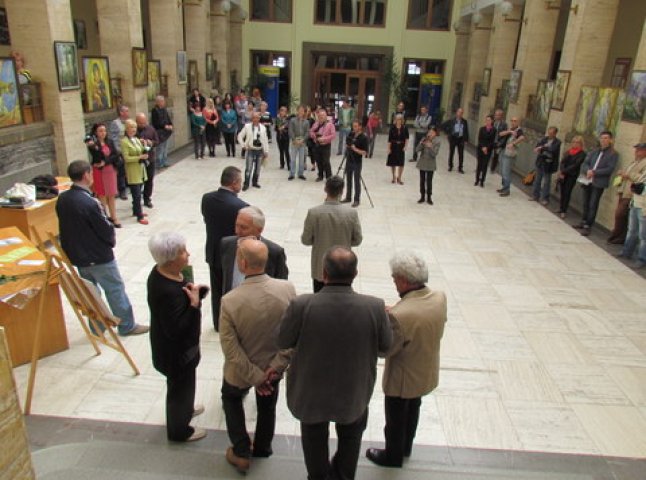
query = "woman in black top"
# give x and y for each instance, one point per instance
(486, 141)
(569, 172)
(397, 141)
(175, 320)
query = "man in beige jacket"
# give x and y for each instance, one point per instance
(250, 319)
(328, 225)
(413, 362)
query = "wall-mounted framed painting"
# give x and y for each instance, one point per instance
(154, 79)
(635, 106)
(96, 76)
(486, 81)
(209, 67)
(560, 89)
(80, 35)
(514, 85)
(67, 67)
(10, 114)
(139, 67)
(5, 38)
(192, 75)
(182, 68)
(544, 94)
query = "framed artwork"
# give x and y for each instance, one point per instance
(80, 35)
(560, 89)
(504, 95)
(182, 68)
(154, 79)
(514, 85)
(477, 92)
(209, 67)
(96, 73)
(192, 74)
(67, 69)
(544, 94)
(139, 67)
(10, 113)
(609, 102)
(5, 38)
(486, 82)
(635, 105)
(620, 72)
(585, 109)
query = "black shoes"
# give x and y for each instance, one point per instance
(148, 203)
(460, 170)
(380, 458)
(421, 200)
(302, 177)
(429, 201)
(257, 185)
(355, 204)
(245, 187)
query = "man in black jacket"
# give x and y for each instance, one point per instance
(548, 151)
(162, 123)
(220, 210)
(457, 130)
(87, 237)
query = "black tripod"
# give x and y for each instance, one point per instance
(345, 155)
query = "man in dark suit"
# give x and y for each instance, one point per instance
(220, 210)
(337, 334)
(457, 130)
(249, 223)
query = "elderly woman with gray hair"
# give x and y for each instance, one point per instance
(175, 321)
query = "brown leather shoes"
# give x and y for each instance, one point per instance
(241, 464)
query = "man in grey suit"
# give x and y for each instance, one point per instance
(413, 362)
(337, 335)
(250, 222)
(330, 224)
(249, 323)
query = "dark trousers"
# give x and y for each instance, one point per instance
(283, 149)
(458, 143)
(321, 155)
(230, 143)
(483, 163)
(591, 197)
(198, 145)
(426, 183)
(121, 178)
(402, 416)
(180, 398)
(148, 184)
(135, 191)
(316, 285)
(618, 233)
(232, 398)
(567, 185)
(215, 273)
(353, 175)
(314, 438)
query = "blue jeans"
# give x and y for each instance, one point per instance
(107, 277)
(505, 171)
(254, 158)
(542, 184)
(297, 153)
(636, 236)
(343, 133)
(161, 151)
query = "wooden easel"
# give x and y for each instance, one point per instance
(87, 304)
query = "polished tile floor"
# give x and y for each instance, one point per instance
(545, 345)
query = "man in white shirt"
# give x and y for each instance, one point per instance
(253, 138)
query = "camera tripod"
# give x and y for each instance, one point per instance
(345, 155)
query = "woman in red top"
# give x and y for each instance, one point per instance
(212, 118)
(104, 160)
(374, 124)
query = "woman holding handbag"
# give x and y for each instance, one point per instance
(104, 160)
(569, 172)
(135, 154)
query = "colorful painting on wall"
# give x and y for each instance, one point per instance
(66, 66)
(209, 67)
(10, 113)
(560, 89)
(544, 95)
(182, 68)
(585, 109)
(154, 79)
(635, 105)
(486, 81)
(609, 101)
(96, 73)
(139, 67)
(514, 85)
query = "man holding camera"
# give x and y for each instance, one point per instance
(356, 148)
(547, 161)
(253, 138)
(323, 134)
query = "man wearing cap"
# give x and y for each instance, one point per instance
(636, 236)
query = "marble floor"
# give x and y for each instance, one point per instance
(545, 345)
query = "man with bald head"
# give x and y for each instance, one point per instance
(253, 138)
(250, 318)
(250, 223)
(150, 139)
(337, 335)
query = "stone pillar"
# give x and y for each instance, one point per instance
(500, 58)
(477, 55)
(49, 21)
(198, 38)
(585, 52)
(220, 44)
(235, 45)
(534, 51)
(119, 31)
(167, 38)
(460, 68)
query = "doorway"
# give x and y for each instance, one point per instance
(331, 86)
